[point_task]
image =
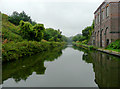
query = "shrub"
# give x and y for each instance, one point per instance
(38, 30)
(114, 45)
(31, 32)
(12, 50)
(85, 42)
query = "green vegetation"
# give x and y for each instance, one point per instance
(85, 36)
(16, 17)
(26, 39)
(78, 37)
(82, 40)
(54, 35)
(30, 32)
(22, 69)
(13, 51)
(85, 46)
(115, 46)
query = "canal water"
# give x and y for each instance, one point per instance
(68, 67)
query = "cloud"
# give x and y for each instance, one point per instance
(69, 16)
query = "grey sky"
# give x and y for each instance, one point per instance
(70, 16)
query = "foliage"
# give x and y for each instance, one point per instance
(17, 72)
(38, 30)
(12, 50)
(86, 34)
(114, 45)
(24, 40)
(16, 17)
(31, 32)
(10, 32)
(53, 35)
(78, 37)
(26, 30)
(64, 38)
(85, 42)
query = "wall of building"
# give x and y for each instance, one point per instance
(107, 27)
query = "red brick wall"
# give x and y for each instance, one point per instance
(111, 23)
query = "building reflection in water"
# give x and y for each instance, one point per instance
(105, 66)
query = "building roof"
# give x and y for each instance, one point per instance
(110, 1)
(99, 7)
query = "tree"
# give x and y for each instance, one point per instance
(26, 30)
(31, 32)
(15, 18)
(52, 35)
(38, 29)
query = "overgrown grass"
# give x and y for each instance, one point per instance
(117, 50)
(114, 46)
(15, 47)
(13, 51)
(10, 31)
(79, 44)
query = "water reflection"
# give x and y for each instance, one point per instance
(106, 67)
(22, 69)
(70, 70)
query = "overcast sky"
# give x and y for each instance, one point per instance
(70, 16)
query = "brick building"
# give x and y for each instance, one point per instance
(107, 24)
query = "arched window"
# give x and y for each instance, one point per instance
(98, 33)
(107, 42)
(106, 31)
(107, 10)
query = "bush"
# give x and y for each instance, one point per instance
(12, 50)
(31, 32)
(114, 45)
(10, 36)
(38, 30)
(85, 42)
(16, 17)
(10, 32)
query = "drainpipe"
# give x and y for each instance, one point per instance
(100, 29)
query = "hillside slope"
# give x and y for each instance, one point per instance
(10, 32)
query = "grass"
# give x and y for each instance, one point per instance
(117, 50)
(14, 51)
(79, 44)
(15, 47)
(10, 32)
(114, 46)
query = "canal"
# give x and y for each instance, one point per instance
(68, 67)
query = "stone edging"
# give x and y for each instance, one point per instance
(103, 50)
(109, 52)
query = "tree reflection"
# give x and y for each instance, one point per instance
(23, 68)
(106, 67)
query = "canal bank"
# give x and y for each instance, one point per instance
(15, 51)
(70, 67)
(98, 49)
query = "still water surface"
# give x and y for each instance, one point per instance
(69, 67)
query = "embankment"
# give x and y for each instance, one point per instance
(14, 51)
(89, 47)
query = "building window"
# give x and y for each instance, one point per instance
(95, 20)
(107, 11)
(107, 42)
(98, 18)
(102, 14)
(106, 31)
